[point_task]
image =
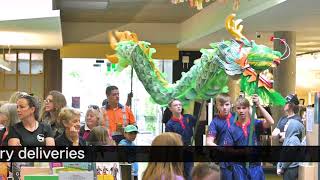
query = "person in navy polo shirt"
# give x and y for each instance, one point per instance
(218, 128)
(182, 124)
(238, 135)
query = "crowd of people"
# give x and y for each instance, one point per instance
(27, 122)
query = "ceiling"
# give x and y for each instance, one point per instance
(156, 21)
(32, 25)
(291, 15)
(160, 21)
(124, 11)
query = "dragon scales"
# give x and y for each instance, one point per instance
(239, 58)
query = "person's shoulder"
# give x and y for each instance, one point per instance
(44, 125)
(283, 118)
(188, 116)
(122, 142)
(258, 120)
(18, 126)
(233, 126)
(82, 142)
(170, 121)
(60, 137)
(179, 177)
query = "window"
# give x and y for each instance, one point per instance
(85, 80)
(26, 73)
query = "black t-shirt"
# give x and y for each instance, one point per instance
(3, 137)
(62, 140)
(27, 138)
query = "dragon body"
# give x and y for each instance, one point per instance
(239, 58)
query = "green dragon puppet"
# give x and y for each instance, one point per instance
(239, 58)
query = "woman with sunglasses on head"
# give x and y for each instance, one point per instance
(93, 119)
(50, 110)
(29, 132)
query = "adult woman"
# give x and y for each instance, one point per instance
(15, 96)
(8, 115)
(54, 102)
(93, 119)
(165, 170)
(70, 119)
(29, 132)
(99, 136)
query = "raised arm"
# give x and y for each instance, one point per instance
(268, 119)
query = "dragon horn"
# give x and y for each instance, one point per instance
(113, 41)
(234, 27)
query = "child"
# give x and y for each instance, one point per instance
(238, 135)
(293, 137)
(218, 129)
(130, 134)
(165, 170)
(206, 171)
(182, 124)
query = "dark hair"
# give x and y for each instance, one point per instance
(110, 88)
(32, 102)
(223, 98)
(295, 108)
(171, 101)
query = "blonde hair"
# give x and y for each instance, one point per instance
(3, 102)
(66, 115)
(97, 113)
(168, 170)
(59, 102)
(241, 101)
(16, 95)
(10, 111)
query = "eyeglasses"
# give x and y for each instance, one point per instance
(93, 107)
(48, 100)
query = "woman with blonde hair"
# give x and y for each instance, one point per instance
(15, 96)
(8, 117)
(70, 119)
(50, 110)
(93, 119)
(99, 136)
(165, 170)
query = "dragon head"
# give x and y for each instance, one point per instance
(258, 57)
(261, 57)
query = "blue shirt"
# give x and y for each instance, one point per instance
(218, 128)
(238, 134)
(135, 167)
(186, 133)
